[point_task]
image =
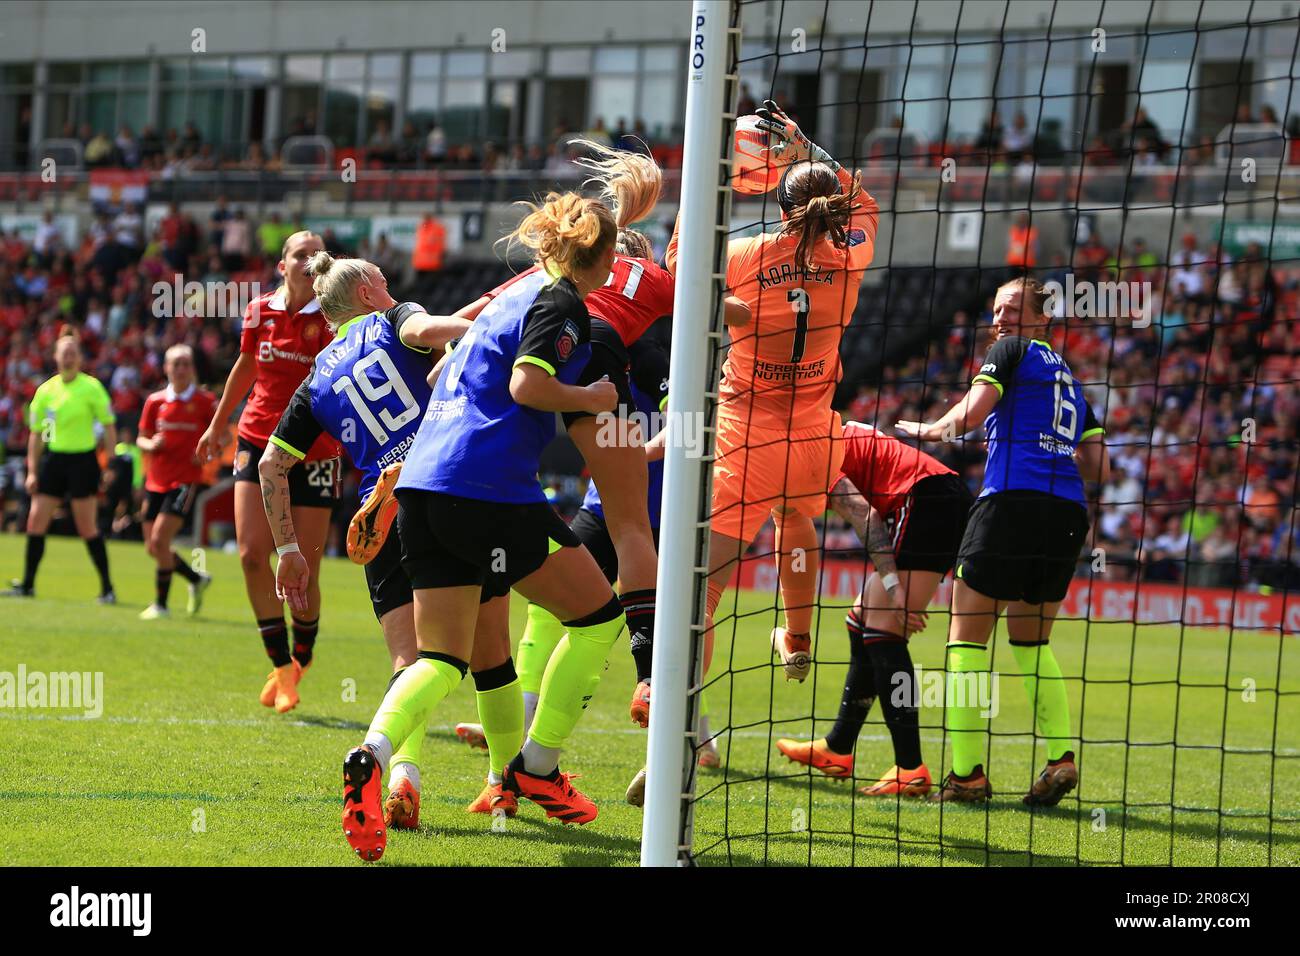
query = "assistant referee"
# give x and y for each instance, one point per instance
(61, 461)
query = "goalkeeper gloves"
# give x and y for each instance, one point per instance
(792, 141)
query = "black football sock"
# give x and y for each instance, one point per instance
(35, 551)
(858, 695)
(304, 640)
(639, 606)
(162, 584)
(275, 638)
(99, 555)
(183, 569)
(895, 683)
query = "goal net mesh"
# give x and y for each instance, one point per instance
(1146, 164)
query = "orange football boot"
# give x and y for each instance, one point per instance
(368, 529)
(1056, 780)
(896, 781)
(973, 789)
(554, 794)
(472, 735)
(402, 808)
(269, 689)
(494, 799)
(363, 817)
(640, 708)
(281, 688)
(795, 651)
(815, 754)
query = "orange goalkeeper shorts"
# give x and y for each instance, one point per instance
(759, 469)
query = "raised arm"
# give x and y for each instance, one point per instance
(537, 388)
(433, 332)
(470, 312)
(963, 417)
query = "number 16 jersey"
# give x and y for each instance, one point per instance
(367, 389)
(1037, 423)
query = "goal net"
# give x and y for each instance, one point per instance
(1140, 160)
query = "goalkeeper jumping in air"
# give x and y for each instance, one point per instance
(779, 444)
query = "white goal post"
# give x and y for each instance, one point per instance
(697, 335)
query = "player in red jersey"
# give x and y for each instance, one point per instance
(910, 510)
(170, 426)
(282, 333)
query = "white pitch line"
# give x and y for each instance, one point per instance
(999, 739)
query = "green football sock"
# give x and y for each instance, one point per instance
(542, 635)
(414, 694)
(573, 673)
(965, 726)
(409, 751)
(501, 712)
(1047, 697)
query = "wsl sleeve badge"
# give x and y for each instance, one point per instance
(567, 340)
(857, 237)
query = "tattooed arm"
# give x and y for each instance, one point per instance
(292, 574)
(847, 502)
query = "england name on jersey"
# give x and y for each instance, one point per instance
(367, 389)
(475, 441)
(1037, 424)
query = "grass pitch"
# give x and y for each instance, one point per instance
(1182, 763)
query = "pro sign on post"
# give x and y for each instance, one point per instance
(697, 324)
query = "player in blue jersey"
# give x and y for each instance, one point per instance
(368, 389)
(1022, 539)
(648, 387)
(474, 522)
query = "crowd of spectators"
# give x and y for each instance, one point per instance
(1015, 145)
(424, 146)
(104, 287)
(1200, 405)
(169, 155)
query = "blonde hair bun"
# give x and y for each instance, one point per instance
(319, 264)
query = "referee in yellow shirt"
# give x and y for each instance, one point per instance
(61, 461)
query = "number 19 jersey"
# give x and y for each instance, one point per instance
(1038, 422)
(367, 389)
